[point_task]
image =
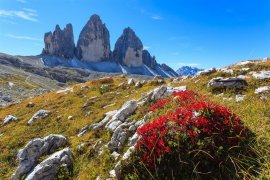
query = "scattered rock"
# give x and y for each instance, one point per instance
(108, 105)
(121, 84)
(262, 89)
(128, 153)
(100, 124)
(207, 72)
(49, 167)
(9, 119)
(239, 98)
(115, 155)
(232, 82)
(138, 84)
(11, 84)
(227, 99)
(70, 117)
(39, 115)
(228, 71)
(92, 98)
(120, 135)
(242, 77)
(261, 75)
(65, 91)
(242, 70)
(29, 155)
(122, 114)
(131, 81)
(112, 173)
(30, 104)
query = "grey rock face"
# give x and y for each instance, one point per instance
(148, 60)
(60, 43)
(128, 49)
(121, 115)
(102, 123)
(28, 156)
(131, 81)
(120, 135)
(39, 115)
(94, 41)
(232, 82)
(48, 168)
(9, 119)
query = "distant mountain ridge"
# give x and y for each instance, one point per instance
(188, 71)
(93, 51)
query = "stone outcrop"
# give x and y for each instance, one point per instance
(39, 115)
(29, 155)
(94, 41)
(148, 60)
(9, 119)
(100, 124)
(232, 82)
(49, 167)
(261, 75)
(60, 43)
(121, 115)
(128, 49)
(262, 89)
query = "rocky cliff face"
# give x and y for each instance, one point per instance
(60, 43)
(94, 46)
(94, 41)
(128, 49)
(149, 60)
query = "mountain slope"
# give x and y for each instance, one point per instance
(82, 107)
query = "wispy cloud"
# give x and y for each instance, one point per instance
(151, 15)
(26, 14)
(23, 37)
(188, 64)
(30, 10)
(21, 1)
(157, 17)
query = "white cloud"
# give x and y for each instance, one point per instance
(30, 10)
(26, 14)
(188, 64)
(21, 1)
(23, 37)
(157, 17)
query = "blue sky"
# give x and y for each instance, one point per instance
(203, 33)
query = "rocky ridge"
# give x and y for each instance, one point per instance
(93, 50)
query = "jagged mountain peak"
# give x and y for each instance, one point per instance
(188, 71)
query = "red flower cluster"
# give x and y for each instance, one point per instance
(159, 104)
(195, 124)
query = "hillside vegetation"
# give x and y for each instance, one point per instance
(84, 104)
